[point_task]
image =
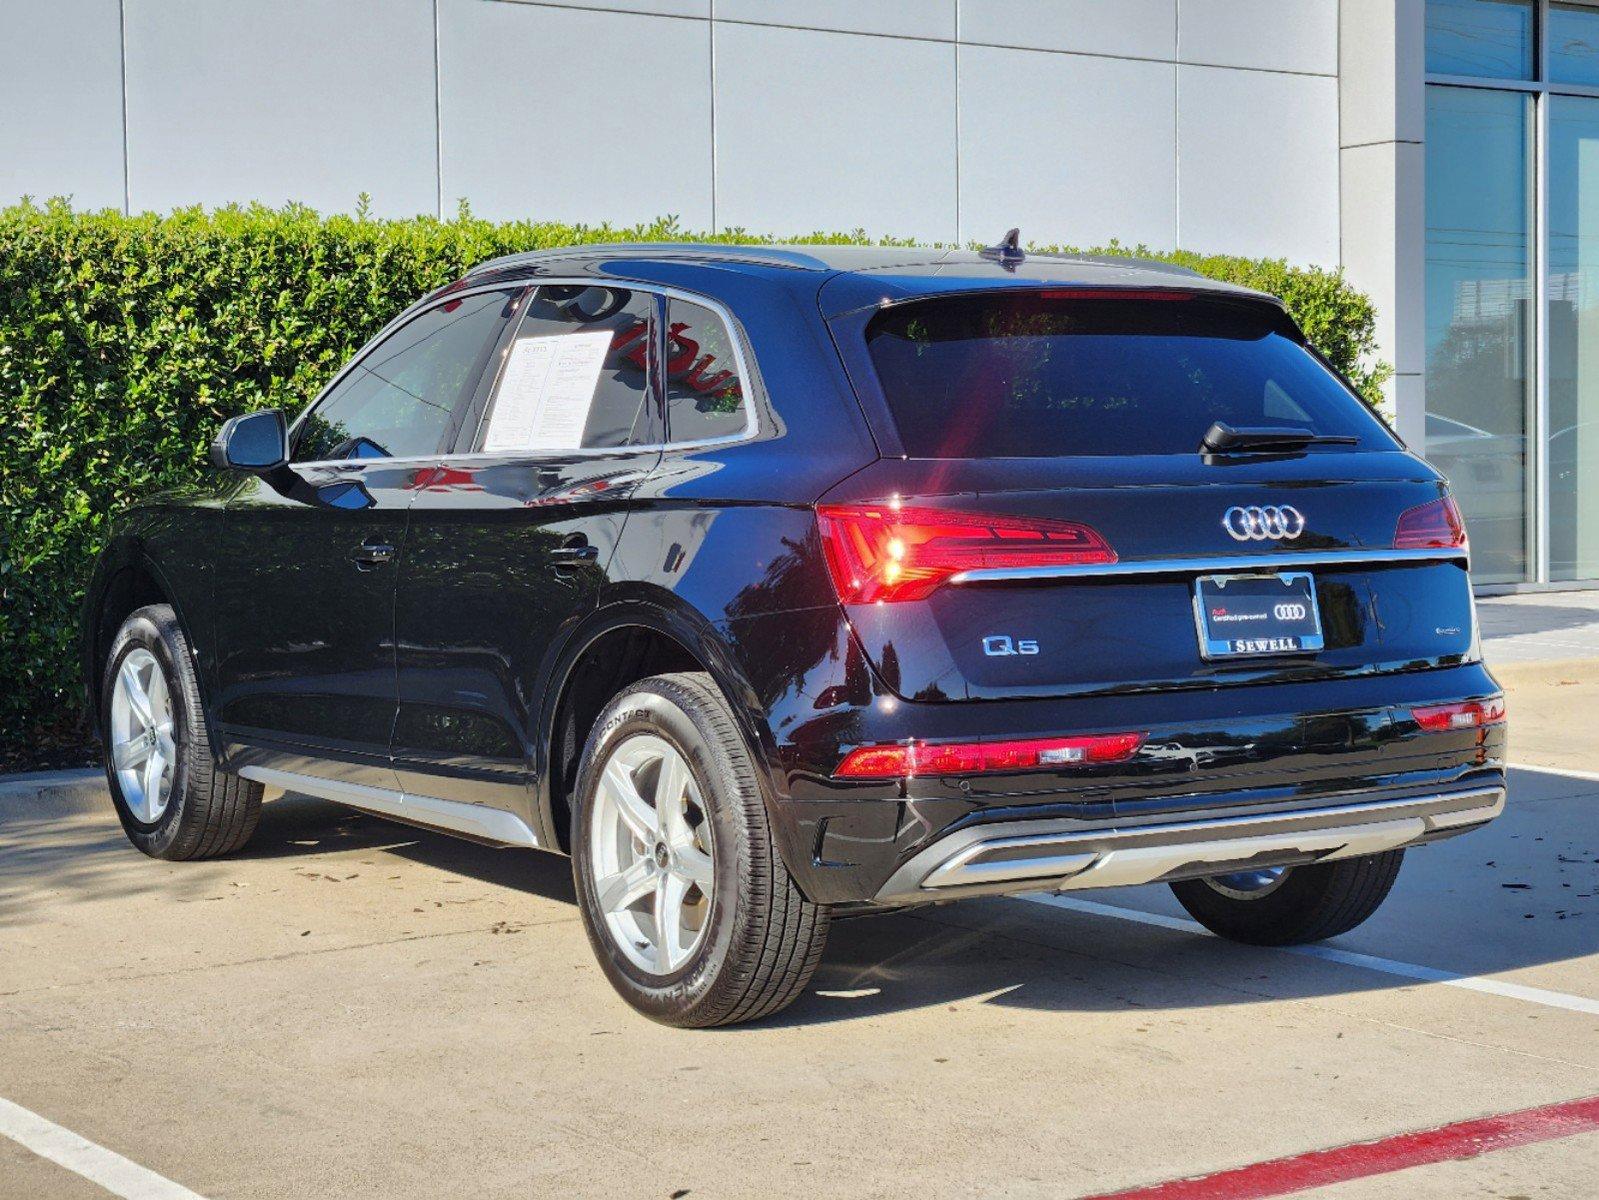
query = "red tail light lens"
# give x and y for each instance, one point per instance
(878, 553)
(1473, 714)
(1436, 525)
(974, 758)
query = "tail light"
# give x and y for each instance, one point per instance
(974, 758)
(1436, 525)
(882, 553)
(1472, 714)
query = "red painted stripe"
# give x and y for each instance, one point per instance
(1466, 1139)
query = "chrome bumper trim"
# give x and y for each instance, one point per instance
(1220, 562)
(1019, 856)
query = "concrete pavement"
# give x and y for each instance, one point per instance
(355, 1008)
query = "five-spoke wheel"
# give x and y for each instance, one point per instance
(143, 752)
(692, 914)
(652, 853)
(172, 796)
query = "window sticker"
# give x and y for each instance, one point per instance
(544, 397)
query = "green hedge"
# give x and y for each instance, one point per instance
(125, 341)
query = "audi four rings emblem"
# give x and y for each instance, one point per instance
(1263, 523)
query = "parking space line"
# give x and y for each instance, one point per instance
(117, 1175)
(1321, 1168)
(1569, 773)
(1348, 958)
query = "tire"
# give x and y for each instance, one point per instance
(199, 811)
(758, 939)
(1308, 904)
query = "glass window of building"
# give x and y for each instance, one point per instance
(1479, 319)
(1486, 38)
(1512, 281)
(1574, 44)
(1572, 311)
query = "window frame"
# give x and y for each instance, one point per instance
(735, 339)
(1539, 82)
(463, 402)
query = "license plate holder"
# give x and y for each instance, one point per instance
(1261, 615)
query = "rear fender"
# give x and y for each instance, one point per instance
(711, 648)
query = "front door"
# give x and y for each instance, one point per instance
(306, 568)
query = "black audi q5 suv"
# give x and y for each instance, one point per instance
(775, 585)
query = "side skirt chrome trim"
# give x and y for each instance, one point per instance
(1219, 562)
(473, 820)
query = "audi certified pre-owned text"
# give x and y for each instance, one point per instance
(775, 586)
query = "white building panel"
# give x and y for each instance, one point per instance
(535, 124)
(1075, 149)
(901, 18)
(666, 8)
(834, 131)
(1258, 164)
(61, 93)
(1266, 35)
(1135, 28)
(241, 100)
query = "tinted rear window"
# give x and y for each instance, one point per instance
(1041, 375)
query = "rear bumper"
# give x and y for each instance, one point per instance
(1034, 855)
(1211, 756)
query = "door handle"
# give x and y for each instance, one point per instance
(572, 551)
(371, 554)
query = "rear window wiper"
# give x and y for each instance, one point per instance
(1222, 438)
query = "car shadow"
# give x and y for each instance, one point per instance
(1519, 894)
(1516, 895)
(295, 825)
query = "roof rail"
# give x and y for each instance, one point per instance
(777, 256)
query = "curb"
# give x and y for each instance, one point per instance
(77, 790)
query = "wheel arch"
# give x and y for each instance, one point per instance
(623, 642)
(126, 579)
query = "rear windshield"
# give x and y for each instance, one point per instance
(1047, 374)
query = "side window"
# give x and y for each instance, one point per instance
(577, 374)
(396, 402)
(704, 391)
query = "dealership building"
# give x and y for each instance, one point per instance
(1444, 153)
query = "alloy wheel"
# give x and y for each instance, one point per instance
(651, 850)
(143, 752)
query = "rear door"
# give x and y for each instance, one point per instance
(1044, 452)
(307, 561)
(511, 536)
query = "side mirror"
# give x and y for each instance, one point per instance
(257, 442)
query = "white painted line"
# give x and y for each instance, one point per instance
(110, 1170)
(1349, 958)
(1590, 776)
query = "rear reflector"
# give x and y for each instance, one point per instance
(974, 758)
(1472, 714)
(882, 553)
(1436, 525)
